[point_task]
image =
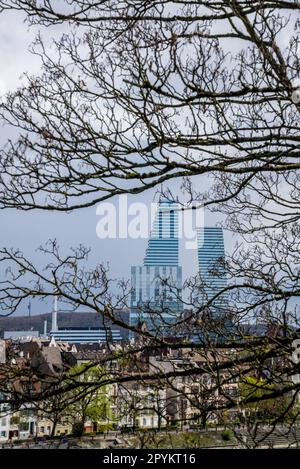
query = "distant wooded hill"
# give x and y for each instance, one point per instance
(72, 320)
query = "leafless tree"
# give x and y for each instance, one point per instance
(132, 96)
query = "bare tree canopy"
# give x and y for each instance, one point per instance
(131, 96)
(126, 102)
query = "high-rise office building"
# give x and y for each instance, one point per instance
(211, 261)
(156, 286)
(163, 244)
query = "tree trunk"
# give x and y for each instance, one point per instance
(52, 434)
(203, 419)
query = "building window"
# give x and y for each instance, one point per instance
(42, 429)
(3, 434)
(3, 422)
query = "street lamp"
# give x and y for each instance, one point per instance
(296, 96)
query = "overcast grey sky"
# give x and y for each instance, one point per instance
(27, 230)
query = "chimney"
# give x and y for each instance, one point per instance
(45, 327)
(54, 315)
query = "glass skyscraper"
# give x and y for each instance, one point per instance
(211, 261)
(156, 286)
(163, 245)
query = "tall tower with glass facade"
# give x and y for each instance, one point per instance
(156, 285)
(211, 261)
